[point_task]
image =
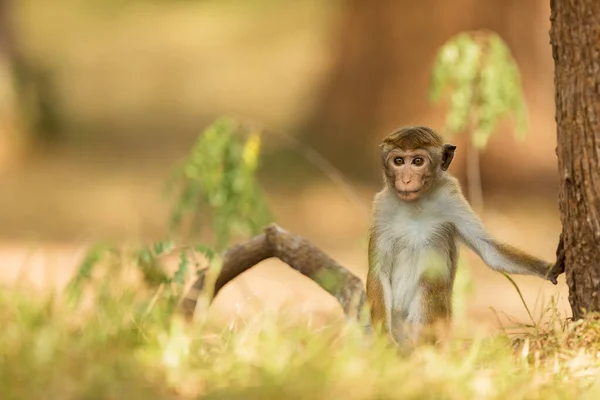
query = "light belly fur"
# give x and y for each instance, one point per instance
(407, 268)
(412, 243)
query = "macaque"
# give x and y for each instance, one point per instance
(416, 221)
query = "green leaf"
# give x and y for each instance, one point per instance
(93, 256)
(482, 83)
(205, 250)
(163, 247)
(151, 268)
(179, 275)
(216, 185)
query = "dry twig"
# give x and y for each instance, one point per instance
(299, 254)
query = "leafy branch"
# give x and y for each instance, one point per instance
(476, 72)
(216, 185)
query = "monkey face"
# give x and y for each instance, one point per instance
(410, 172)
(413, 158)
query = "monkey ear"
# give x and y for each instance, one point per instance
(447, 156)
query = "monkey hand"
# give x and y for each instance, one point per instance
(556, 270)
(559, 267)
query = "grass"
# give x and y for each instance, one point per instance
(126, 340)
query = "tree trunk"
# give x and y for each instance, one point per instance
(10, 141)
(28, 103)
(575, 39)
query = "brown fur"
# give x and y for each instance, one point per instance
(519, 256)
(376, 303)
(437, 293)
(374, 291)
(413, 137)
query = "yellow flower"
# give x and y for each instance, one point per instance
(251, 151)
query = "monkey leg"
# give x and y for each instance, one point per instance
(436, 303)
(427, 319)
(401, 330)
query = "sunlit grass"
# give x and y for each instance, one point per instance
(125, 341)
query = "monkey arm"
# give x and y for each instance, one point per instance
(498, 256)
(376, 303)
(375, 290)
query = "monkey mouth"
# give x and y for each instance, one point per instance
(409, 195)
(408, 192)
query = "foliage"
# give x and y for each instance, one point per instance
(217, 182)
(218, 178)
(126, 341)
(48, 352)
(484, 84)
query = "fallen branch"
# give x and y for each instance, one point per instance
(299, 254)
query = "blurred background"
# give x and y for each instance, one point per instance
(100, 98)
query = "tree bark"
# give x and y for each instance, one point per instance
(575, 39)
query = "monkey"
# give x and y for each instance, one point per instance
(417, 220)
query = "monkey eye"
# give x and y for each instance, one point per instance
(418, 161)
(398, 161)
